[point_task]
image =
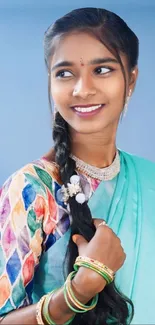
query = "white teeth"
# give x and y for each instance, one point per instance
(87, 109)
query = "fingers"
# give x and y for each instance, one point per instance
(79, 240)
(99, 222)
(81, 243)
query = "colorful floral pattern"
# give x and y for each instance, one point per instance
(30, 222)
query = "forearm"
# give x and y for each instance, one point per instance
(84, 291)
(59, 311)
(26, 315)
(85, 285)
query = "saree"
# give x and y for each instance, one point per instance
(129, 209)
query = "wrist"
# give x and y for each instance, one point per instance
(88, 283)
(58, 310)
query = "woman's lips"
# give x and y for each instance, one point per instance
(87, 114)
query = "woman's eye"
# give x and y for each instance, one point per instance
(103, 70)
(63, 74)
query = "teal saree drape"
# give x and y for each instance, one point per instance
(128, 207)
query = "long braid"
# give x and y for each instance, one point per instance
(111, 302)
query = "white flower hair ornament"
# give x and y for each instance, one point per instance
(73, 189)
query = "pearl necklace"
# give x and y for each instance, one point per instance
(102, 174)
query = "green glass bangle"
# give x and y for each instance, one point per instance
(69, 321)
(69, 305)
(45, 311)
(93, 304)
(94, 301)
(102, 273)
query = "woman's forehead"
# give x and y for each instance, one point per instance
(74, 47)
(78, 41)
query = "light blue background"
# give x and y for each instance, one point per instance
(25, 121)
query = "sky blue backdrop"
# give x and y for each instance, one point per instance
(25, 123)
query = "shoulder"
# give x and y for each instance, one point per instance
(40, 168)
(30, 192)
(138, 159)
(142, 165)
(38, 172)
(36, 179)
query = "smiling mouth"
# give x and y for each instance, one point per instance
(87, 109)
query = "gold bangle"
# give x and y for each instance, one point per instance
(96, 267)
(95, 262)
(39, 311)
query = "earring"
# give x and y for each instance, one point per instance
(126, 104)
(54, 110)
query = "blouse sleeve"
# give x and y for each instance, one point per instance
(26, 207)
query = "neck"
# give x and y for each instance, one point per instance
(94, 149)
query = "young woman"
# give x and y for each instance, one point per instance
(85, 198)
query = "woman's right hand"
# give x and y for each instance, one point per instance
(104, 247)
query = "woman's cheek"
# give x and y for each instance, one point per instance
(114, 90)
(60, 92)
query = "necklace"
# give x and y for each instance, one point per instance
(103, 174)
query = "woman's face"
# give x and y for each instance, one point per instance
(88, 75)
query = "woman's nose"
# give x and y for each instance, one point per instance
(83, 89)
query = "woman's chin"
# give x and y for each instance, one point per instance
(87, 128)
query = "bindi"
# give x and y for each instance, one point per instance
(81, 62)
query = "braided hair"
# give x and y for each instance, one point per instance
(114, 33)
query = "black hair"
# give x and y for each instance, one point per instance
(115, 34)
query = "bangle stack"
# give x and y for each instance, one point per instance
(68, 291)
(42, 310)
(39, 311)
(96, 266)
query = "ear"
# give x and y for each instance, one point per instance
(133, 78)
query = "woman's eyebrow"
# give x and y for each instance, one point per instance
(94, 61)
